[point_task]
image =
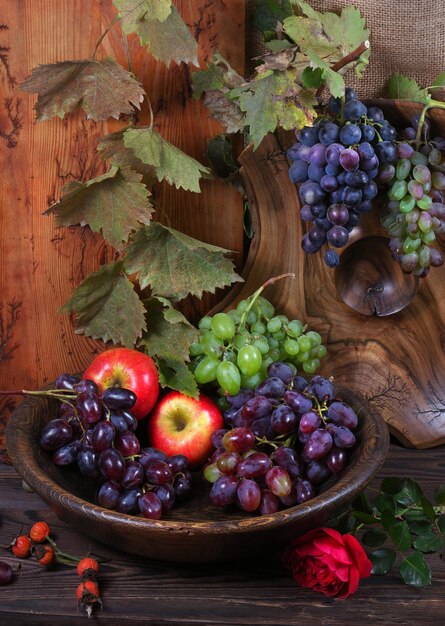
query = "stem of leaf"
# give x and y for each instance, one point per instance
(434, 104)
(349, 58)
(104, 34)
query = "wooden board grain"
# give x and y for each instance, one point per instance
(40, 265)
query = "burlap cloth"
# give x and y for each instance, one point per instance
(407, 36)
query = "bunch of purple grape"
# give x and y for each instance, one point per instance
(282, 441)
(337, 163)
(97, 432)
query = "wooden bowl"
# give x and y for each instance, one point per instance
(195, 531)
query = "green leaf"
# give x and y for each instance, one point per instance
(308, 34)
(312, 79)
(382, 561)
(175, 374)
(276, 45)
(439, 495)
(269, 12)
(428, 509)
(133, 11)
(440, 80)
(441, 523)
(107, 307)
(362, 503)
(411, 493)
(175, 265)
(168, 334)
(391, 485)
(400, 536)
(170, 163)
(415, 571)
(334, 80)
(401, 87)
(365, 518)
(384, 502)
(102, 88)
(374, 537)
(429, 542)
(168, 39)
(272, 100)
(115, 204)
(112, 147)
(420, 527)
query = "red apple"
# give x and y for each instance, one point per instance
(182, 425)
(125, 367)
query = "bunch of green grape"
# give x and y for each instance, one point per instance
(234, 349)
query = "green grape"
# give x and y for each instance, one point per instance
(425, 222)
(398, 190)
(283, 318)
(403, 168)
(429, 236)
(205, 371)
(267, 308)
(274, 325)
(212, 346)
(241, 340)
(321, 352)
(242, 306)
(273, 343)
(438, 179)
(435, 158)
(311, 366)
(412, 216)
(258, 328)
(196, 349)
(426, 186)
(301, 357)
(205, 323)
(422, 174)
(407, 204)
(313, 353)
(222, 403)
(234, 315)
(424, 256)
(425, 203)
(249, 360)
(291, 347)
(295, 328)
(280, 335)
(264, 365)
(229, 355)
(314, 337)
(251, 382)
(411, 245)
(229, 377)
(262, 344)
(417, 158)
(274, 354)
(251, 318)
(223, 326)
(304, 343)
(244, 332)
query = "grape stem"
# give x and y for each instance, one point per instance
(434, 104)
(349, 58)
(258, 292)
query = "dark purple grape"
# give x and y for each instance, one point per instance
(305, 491)
(317, 472)
(5, 573)
(167, 496)
(230, 416)
(228, 461)
(224, 491)
(284, 456)
(249, 495)
(338, 236)
(112, 464)
(306, 213)
(87, 440)
(308, 135)
(318, 445)
(262, 427)
(272, 387)
(298, 402)
(119, 422)
(66, 381)
(88, 463)
(342, 415)
(343, 438)
(182, 484)
(331, 258)
(280, 370)
(67, 454)
(241, 398)
(108, 495)
(254, 466)
(89, 407)
(132, 422)
(299, 384)
(307, 245)
(309, 422)
(55, 434)
(86, 385)
(217, 436)
(283, 420)
(244, 421)
(278, 481)
(103, 435)
(239, 440)
(257, 407)
(386, 152)
(147, 455)
(298, 171)
(159, 473)
(128, 501)
(150, 505)
(322, 389)
(178, 463)
(338, 214)
(134, 474)
(291, 499)
(349, 159)
(353, 109)
(119, 398)
(336, 460)
(269, 503)
(127, 443)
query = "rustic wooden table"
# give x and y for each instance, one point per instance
(136, 591)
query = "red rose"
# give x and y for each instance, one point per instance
(326, 561)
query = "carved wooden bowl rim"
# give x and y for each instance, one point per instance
(27, 420)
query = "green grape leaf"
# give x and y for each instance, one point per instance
(382, 561)
(272, 100)
(401, 87)
(333, 79)
(169, 334)
(133, 11)
(114, 204)
(308, 34)
(102, 88)
(167, 39)
(169, 162)
(374, 537)
(107, 307)
(415, 571)
(400, 536)
(112, 147)
(175, 374)
(411, 493)
(429, 542)
(312, 79)
(175, 265)
(440, 80)
(276, 45)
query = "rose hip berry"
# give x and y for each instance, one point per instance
(87, 589)
(39, 532)
(87, 568)
(21, 546)
(43, 554)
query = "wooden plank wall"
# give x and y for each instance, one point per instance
(40, 265)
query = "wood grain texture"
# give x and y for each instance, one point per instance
(40, 265)
(195, 531)
(396, 362)
(257, 592)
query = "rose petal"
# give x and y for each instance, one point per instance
(357, 552)
(338, 551)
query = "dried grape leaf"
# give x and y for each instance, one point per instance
(401, 87)
(169, 162)
(114, 204)
(133, 11)
(102, 88)
(112, 147)
(106, 306)
(175, 265)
